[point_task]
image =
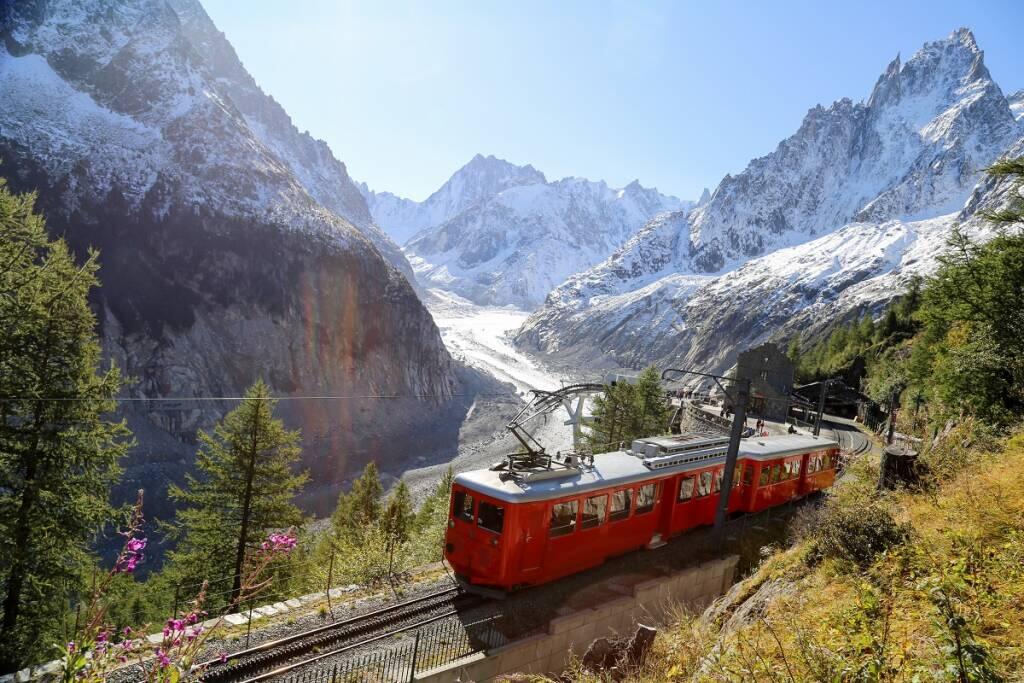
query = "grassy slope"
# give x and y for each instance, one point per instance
(899, 615)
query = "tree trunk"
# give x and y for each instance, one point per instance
(9, 660)
(16, 577)
(243, 534)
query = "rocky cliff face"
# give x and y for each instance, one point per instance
(861, 191)
(232, 246)
(501, 234)
(1016, 101)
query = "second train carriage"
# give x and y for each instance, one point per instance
(530, 520)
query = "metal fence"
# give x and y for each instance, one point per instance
(427, 648)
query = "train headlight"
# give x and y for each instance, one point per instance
(494, 542)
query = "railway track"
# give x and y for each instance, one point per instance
(850, 439)
(277, 657)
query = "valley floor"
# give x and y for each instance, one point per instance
(480, 336)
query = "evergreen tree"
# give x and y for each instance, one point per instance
(865, 331)
(625, 412)
(360, 508)
(890, 324)
(432, 519)
(793, 352)
(58, 455)
(1014, 213)
(245, 486)
(396, 522)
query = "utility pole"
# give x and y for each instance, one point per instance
(821, 405)
(742, 392)
(739, 397)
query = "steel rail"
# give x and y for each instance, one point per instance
(266, 654)
(324, 655)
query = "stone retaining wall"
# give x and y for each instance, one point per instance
(649, 602)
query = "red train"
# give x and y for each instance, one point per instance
(533, 519)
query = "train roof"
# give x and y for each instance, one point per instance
(621, 468)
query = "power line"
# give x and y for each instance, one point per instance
(179, 399)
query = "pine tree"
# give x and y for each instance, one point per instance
(1014, 213)
(58, 455)
(625, 412)
(432, 518)
(793, 352)
(359, 509)
(396, 522)
(245, 487)
(865, 332)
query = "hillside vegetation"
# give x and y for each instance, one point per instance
(924, 583)
(904, 587)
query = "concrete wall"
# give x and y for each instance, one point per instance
(649, 602)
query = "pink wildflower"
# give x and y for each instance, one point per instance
(280, 542)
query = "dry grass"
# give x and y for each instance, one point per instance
(950, 599)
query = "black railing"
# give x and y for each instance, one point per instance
(428, 648)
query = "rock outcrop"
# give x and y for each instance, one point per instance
(232, 245)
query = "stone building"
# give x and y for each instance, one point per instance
(770, 373)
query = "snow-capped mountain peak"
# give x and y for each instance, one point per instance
(910, 154)
(482, 177)
(516, 245)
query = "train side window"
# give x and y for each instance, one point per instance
(737, 476)
(812, 464)
(717, 485)
(490, 517)
(462, 506)
(593, 511)
(748, 474)
(621, 500)
(563, 518)
(796, 469)
(826, 461)
(766, 471)
(776, 474)
(704, 484)
(645, 497)
(685, 489)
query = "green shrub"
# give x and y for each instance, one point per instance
(857, 527)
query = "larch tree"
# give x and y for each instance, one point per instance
(628, 411)
(59, 452)
(359, 509)
(396, 523)
(245, 485)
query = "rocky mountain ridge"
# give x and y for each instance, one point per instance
(500, 234)
(232, 246)
(861, 192)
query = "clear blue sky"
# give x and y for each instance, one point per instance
(675, 94)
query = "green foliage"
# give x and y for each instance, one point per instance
(626, 411)
(58, 455)
(852, 348)
(359, 509)
(368, 550)
(1013, 168)
(856, 526)
(971, 355)
(245, 487)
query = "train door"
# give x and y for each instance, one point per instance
(533, 519)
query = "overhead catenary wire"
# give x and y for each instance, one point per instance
(178, 399)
